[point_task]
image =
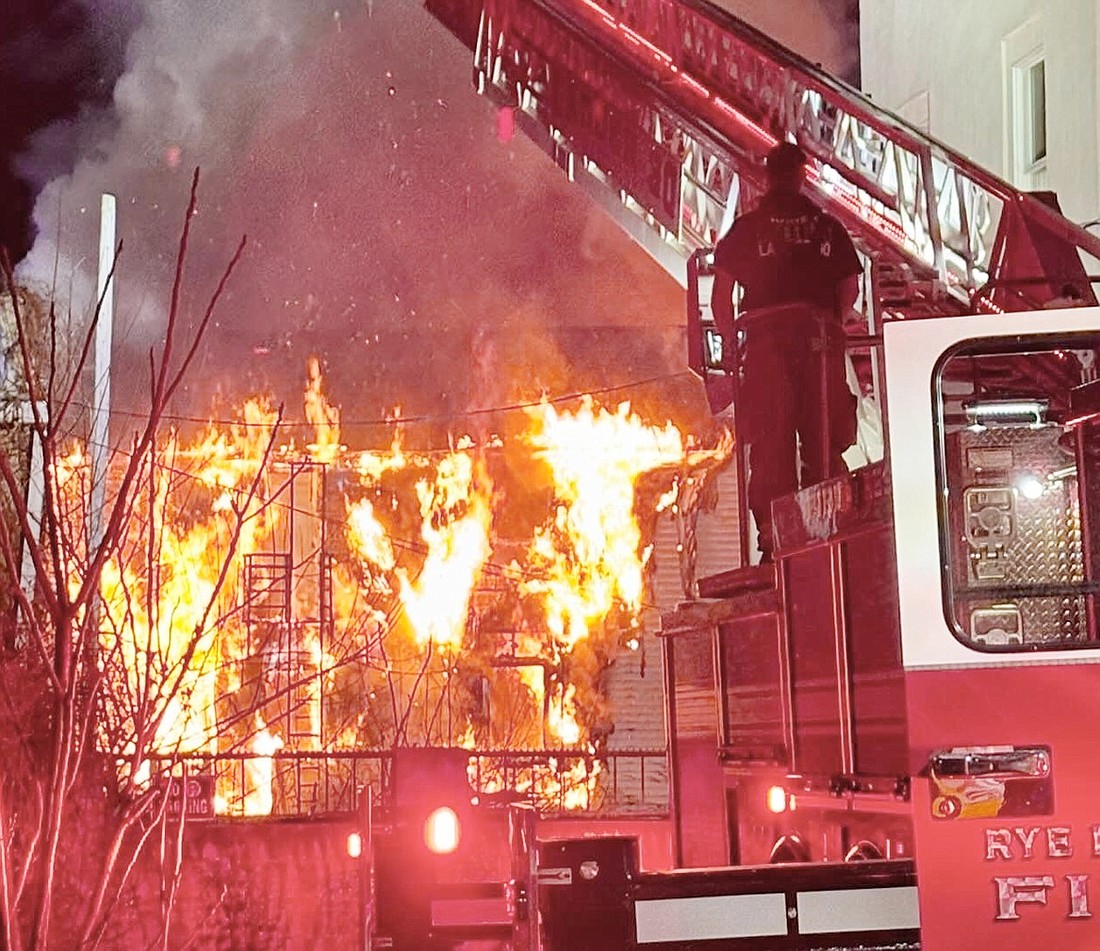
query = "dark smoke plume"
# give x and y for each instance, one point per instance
(59, 62)
(430, 266)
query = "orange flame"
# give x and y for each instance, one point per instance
(368, 536)
(588, 558)
(324, 417)
(422, 533)
(456, 530)
(259, 793)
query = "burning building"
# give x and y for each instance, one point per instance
(284, 592)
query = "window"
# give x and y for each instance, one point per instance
(1018, 465)
(1034, 138)
(1025, 74)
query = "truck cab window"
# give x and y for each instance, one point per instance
(1018, 469)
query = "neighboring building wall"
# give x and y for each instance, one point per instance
(949, 65)
(635, 683)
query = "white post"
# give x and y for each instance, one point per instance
(36, 493)
(101, 398)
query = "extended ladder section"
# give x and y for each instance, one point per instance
(664, 110)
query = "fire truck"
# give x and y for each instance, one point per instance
(911, 684)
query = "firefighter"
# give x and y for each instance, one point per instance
(799, 274)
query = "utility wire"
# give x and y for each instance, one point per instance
(423, 417)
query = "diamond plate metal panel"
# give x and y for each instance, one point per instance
(1016, 538)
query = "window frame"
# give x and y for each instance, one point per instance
(1025, 115)
(990, 346)
(1021, 51)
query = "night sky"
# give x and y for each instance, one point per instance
(57, 61)
(430, 265)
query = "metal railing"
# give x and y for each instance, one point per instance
(297, 783)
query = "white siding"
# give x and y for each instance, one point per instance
(717, 534)
(636, 679)
(956, 52)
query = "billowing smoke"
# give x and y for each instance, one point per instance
(823, 31)
(197, 78)
(58, 62)
(431, 266)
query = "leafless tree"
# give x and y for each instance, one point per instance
(85, 704)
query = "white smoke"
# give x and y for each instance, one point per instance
(198, 75)
(388, 226)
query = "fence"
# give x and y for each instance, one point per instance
(306, 783)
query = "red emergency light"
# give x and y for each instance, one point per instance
(442, 831)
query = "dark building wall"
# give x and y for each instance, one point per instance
(254, 885)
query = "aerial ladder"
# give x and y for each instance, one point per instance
(662, 111)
